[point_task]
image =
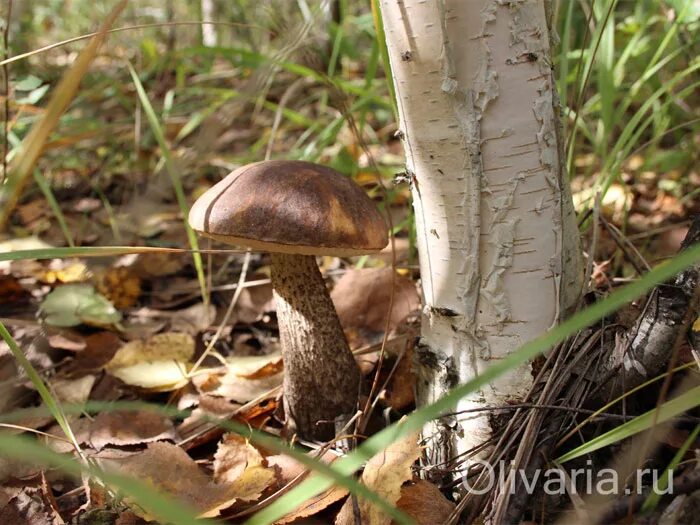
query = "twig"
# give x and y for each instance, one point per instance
(536, 406)
(6, 79)
(229, 312)
(627, 247)
(119, 30)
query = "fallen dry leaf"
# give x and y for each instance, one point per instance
(129, 518)
(232, 457)
(361, 298)
(193, 319)
(197, 428)
(400, 392)
(11, 291)
(27, 508)
(158, 264)
(158, 363)
(99, 350)
(242, 379)
(171, 470)
(314, 505)
(287, 470)
(73, 391)
(129, 428)
(253, 302)
(384, 474)
(65, 339)
(424, 502)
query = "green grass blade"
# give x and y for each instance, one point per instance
(41, 387)
(164, 508)
(174, 177)
(381, 40)
(654, 497)
(605, 62)
(585, 70)
(354, 460)
(563, 62)
(53, 204)
(686, 401)
(593, 416)
(635, 127)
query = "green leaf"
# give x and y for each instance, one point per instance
(33, 96)
(74, 304)
(28, 83)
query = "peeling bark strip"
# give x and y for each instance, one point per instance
(497, 239)
(650, 344)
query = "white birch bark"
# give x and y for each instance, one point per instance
(497, 237)
(209, 36)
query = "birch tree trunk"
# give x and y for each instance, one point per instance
(497, 236)
(209, 36)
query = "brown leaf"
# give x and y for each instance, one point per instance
(258, 415)
(11, 291)
(120, 285)
(270, 369)
(129, 428)
(158, 264)
(287, 470)
(27, 508)
(129, 518)
(66, 339)
(361, 298)
(99, 350)
(73, 391)
(197, 428)
(234, 382)
(384, 474)
(314, 505)
(172, 471)
(400, 392)
(424, 502)
(232, 457)
(253, 302)
(194, 319)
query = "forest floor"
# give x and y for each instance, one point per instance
(133, 327)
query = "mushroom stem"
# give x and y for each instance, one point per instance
(321, 378)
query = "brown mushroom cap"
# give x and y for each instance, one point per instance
(290, 207)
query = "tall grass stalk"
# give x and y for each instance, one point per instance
(174, 178)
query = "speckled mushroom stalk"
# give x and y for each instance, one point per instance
(316, 355)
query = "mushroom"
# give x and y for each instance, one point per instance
(295, 211)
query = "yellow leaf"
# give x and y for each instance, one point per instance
(159, 363)
(384, 474)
